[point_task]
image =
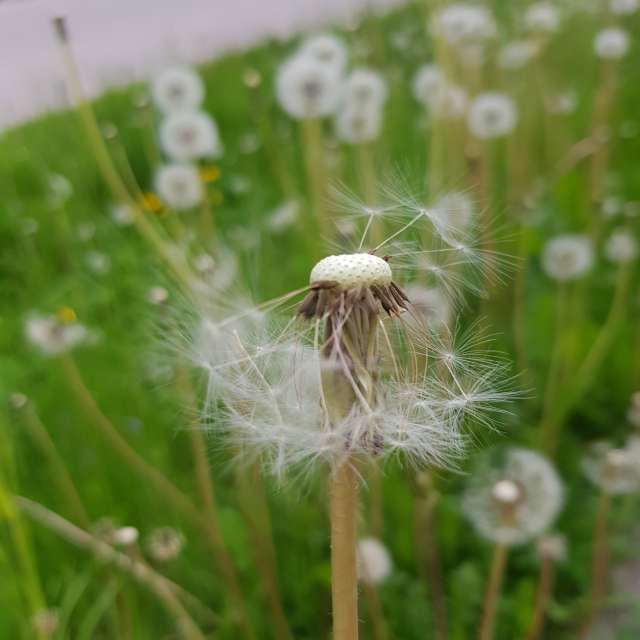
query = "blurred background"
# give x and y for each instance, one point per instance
(169, 167)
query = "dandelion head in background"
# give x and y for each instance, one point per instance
(122, 214)
(614, 471)
(624, 7)
(190, 135)
(611, 43)
(463, 23)
(326, 49)
(364, 88)
(515, 499)
(307, 88)
(358, 124)
(177, 89)
(374, 561)
(552, 547)
(492, 115)
(621, 247)
(427, 81)
(343, 375)
(179, 186)
(567, 257)
(517, 54)
(164, 544)
(542, 18)
(54, 335)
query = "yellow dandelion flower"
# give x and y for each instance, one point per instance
(151, 202)
(210, 173)
(67, 315)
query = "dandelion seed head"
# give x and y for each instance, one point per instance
(621, 247)
(51, 336)
(615, 471)
(611, 43)
(517, 54)
(164, 544)
(567, 257)
(179, 185)
(326, 49)
(177, 89)
(553, 547)
(516, 500)
(624, 7)
(307, 88)
(463, 23)
(492, 115)
(357, 124)
(122, 215)
(374, 561)
(352, 270)
(187, 135)
(364, 88)
(542, 17)
(427, 82)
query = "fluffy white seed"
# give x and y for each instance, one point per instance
(352, 270)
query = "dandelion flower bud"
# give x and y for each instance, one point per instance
(188, 136)
(177, 89)
(567, 257)
(326, 49)
(374, 561)
(542, 17)
(611, 43)
(52, 336)
(307, 88)
(621, 247)
(164, 544)
(624, 7)
(553, 547)
(516, 500)
(492, 115)
(179, 185)
(614, 471)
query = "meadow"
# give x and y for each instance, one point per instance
(107, 424)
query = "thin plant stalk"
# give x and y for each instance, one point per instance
(492, 594)
(376, 614)
(59, 470)
(519, 310)
(593, 360)
(599, 564)
(256, 512)
(315, 168)
(427, 547)
(105, 163)
(165, 590)
(344, 575)
(206, 492)
(543, 595)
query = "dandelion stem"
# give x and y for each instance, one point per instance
(60, 474)
(344, 579)
(492, 594)
(543, 595)
(166, 591)
(316, 169)
(599, 564)
(374, 606)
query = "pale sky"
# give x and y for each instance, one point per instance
(116, 41)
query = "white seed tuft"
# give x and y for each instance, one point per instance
(352, 270)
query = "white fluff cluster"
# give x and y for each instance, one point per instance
(621, 247)
(52, 336)
(542, 17)
(177, 89)
(567, 257)
(613, 470)
(492, 115)
(624, 7)
(266, 370)
(443, 99)
(463, 23)
(517, 54)
(180, 186)
(538, 499)
(308, 83)
(362, 100)
(190, 135)
(611, 43)
(374, 561)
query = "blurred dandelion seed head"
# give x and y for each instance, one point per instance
(567, 257)
(177, 89)
(374, 561)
